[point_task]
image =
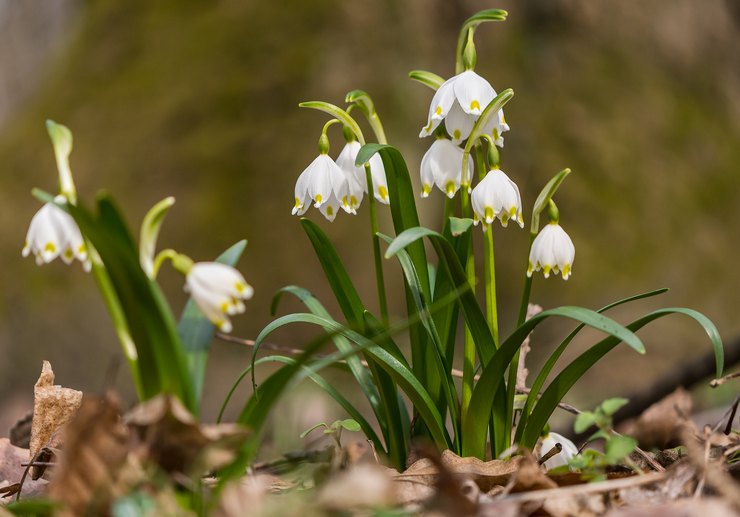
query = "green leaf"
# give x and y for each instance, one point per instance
(459, 226)
(150, 232)
(339, 281)
(483, 121)
(429, 79)
(338, 113)
(475, 422)
(350, 425)
(583, 421)
(575, 370)
(619, 447)
(161, 361)
(196, 330)
(555, 355)
(543, 199)
(401, 374)
(611, 406)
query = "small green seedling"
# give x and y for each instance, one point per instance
(335, 429)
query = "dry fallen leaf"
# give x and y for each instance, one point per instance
(362, 486)
(167, 434)
(53, 406)
(95, 449)
(660, 425)
(704, 507)
(20, 433)
(530, 476)
(11, 469)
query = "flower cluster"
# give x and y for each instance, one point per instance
(332, 185)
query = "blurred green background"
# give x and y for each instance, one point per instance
(199, 100)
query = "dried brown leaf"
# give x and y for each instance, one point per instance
(20, 433)
(95, 449)
(12, 459)
(530, 476)
(660, 425)
(167, 434)
(53, 406)
(705, 507)
(362, 486)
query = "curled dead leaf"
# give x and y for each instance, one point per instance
(660, 425)
(95, 449)
(53, 406)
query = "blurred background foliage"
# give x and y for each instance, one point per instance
(199, 100)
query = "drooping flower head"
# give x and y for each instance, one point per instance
(358, 179)
(442, 166)
(496, 196)
(324, 183)
(218, 290)
(459, 101)
(53, 233)
(568, 450)
(552, 251)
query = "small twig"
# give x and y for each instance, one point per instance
(733, 412)
(718, 382)
(552, 452)
(39, 464)
(562, 405)
(603, 486)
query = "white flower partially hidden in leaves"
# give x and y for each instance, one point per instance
(346, 162)
(324, 183)
(552, 250)
(53, 233)
(459, 102)
(496, 196)
(442, 166)
(218, 290)
(549, 442)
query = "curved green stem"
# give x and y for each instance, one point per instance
(379, 278)
(490, 263)
(468, 344)
(514, 365)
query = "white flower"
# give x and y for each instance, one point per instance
(324, 183)
(459, 102)
(442, 166)
(346, 162)
(549, 441)
(53, 233)
(552, 250)
(218, 290)
(497, 196)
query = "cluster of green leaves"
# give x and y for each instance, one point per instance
(593, 463)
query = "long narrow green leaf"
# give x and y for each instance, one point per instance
(475, 422)
(439, 373)
(161, 360)
(345, 292)
(429, 79)
(196, 330)
(404, 378)
(550, 363)
(474, 317)
(575, 370)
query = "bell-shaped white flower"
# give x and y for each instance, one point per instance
(53, 233)
(496, 196)
(459, 102)
(549, 442)
(552, 250)
(442, 166)
(346, 162)
(218, 290)
(324, 183)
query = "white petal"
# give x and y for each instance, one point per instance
(330, 208)
(441, 104)
(458, 123)
(549, 442)
(473, 92)
(380, 184)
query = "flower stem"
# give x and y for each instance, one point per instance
(468, 343)
(490, 263)
(377, 128)
(514, 365)
(380, 281)
(119, 320)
